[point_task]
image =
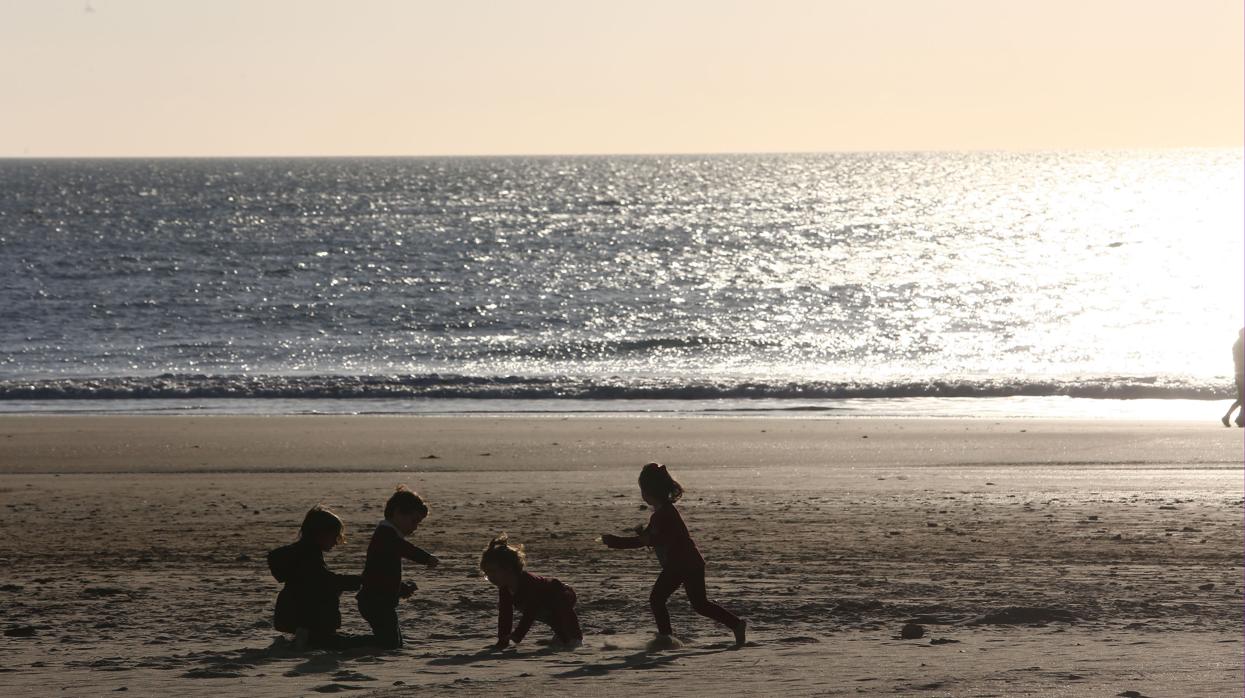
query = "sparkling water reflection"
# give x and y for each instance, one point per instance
(862, 269)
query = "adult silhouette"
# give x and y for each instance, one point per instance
(1239, 360)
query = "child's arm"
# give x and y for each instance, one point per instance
(417, 554)
(317, 573)
(520, 630)
(619, 542)
(505, 616)
(346, 582)
(639, 540)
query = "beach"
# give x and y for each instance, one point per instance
(933, 314)
(1039, 557)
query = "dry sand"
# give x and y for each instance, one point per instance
(1042, 557)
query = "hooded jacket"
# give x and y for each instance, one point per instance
(310, 596)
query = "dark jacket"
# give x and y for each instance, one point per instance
(309, 599)
(382, 573)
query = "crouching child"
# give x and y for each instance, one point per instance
(538, 598)
(308, 604)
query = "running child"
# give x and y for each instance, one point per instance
(681, 562)
(307, 605)
(382, 572)
(539, 598)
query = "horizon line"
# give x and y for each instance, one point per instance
(862, 151)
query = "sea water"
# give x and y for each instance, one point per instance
(918, 283)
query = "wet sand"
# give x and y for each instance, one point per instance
(1041, 557)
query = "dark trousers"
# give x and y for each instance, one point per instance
(382, 615)
(565, 624)
(563, 619)
(693, 582)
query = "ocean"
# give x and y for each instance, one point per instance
(978, 284)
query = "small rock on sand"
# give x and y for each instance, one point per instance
(20, 631)
(912, 631)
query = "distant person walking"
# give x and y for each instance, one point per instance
(1239, 360)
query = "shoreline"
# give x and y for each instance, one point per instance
(1013, 407)
(292, 443)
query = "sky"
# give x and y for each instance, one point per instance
(473, 77)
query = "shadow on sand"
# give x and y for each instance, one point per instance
(638, 660)
(491, 653)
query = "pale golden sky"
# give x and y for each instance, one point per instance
(397, 77)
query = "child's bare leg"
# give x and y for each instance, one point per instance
(694, 584)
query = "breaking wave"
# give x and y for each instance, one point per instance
(199, 386)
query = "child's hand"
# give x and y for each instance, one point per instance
(641, 532)
(434, 562)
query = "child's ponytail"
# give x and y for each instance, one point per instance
(656, 480)
(501, 552)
